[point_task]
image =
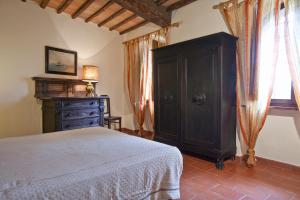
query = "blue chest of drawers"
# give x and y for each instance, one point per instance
(66, 113)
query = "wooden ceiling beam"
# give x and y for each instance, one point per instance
(134, 27)
(44, 3)
(63, 6)
(99, 11)
(82, 8)
(179, 4)
(116, 14)
(160, 2)
(148, 10)
(128, 19)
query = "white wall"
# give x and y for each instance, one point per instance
(280, 138)
(25, 30)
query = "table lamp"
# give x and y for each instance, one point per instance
(90, 75)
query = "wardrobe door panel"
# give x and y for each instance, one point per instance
(167, 100)
(200, 98)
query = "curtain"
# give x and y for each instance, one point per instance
(138, 64)
(292, 39)
(253, 21)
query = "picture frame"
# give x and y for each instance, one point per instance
(60, 61)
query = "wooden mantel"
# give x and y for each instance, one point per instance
(46, 88)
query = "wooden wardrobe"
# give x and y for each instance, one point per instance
(195, 98)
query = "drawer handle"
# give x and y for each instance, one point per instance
(92, 113)
(67, 126)
(67, 104)
(67, 115)
(92, 103)
(91, 123)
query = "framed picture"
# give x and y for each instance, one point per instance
(60, 61)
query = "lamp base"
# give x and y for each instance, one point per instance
(90, 91)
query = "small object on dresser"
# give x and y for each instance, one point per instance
(90, 75)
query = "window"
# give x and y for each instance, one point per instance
(283, 95)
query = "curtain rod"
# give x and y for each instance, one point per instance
(226, 3)
(171, 25)
(222, 4)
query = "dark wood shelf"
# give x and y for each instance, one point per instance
(47, 88)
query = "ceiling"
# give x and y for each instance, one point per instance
(119, 15)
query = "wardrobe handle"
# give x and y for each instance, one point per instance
(199, 99)
(168, 98)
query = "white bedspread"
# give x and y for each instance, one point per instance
(91, 163)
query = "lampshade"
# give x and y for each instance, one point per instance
(90, 73)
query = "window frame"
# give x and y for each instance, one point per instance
(286, 104)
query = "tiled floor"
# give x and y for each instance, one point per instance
(267, 181)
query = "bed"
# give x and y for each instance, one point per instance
(91, 163)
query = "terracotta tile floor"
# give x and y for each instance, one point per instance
(269, 180)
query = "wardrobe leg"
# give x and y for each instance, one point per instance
(220, 164)
(233, 158)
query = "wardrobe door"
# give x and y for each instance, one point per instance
(200, 99)
(167, 114)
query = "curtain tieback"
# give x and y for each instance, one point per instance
(251, 157)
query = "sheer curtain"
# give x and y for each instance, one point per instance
(138, 67)
(292, 39)
(253, 21)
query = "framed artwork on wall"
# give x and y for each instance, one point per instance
(60, 61)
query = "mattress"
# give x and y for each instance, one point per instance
(91, 163)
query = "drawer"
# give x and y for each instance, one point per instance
(77, 114)
(80, 123)
(66, 105)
